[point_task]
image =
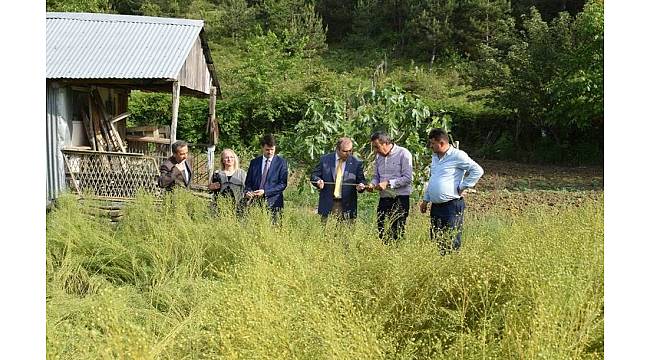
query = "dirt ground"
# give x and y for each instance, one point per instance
(502, 175)
(513, 187)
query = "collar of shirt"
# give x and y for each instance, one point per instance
(264, 162)
(449, 153)
(390, 152)
(395, 149)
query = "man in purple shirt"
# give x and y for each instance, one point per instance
(393, 178)
(452, 173)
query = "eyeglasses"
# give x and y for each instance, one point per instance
(228, 157)
(346, 151)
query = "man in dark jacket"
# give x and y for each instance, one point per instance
(338, 177)
(267, 177)
(176, 170)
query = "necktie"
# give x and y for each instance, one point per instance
(338, 183)
(264, 173)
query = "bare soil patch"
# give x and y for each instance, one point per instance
(514, 187)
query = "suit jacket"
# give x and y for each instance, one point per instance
(276, 180)
(170, 176)
(326, 171)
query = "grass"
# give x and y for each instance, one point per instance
(174, 281)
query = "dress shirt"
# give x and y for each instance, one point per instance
(454, 171)
(264, 162)
(186, 173)
(397, 169)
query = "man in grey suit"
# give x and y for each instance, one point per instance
(338, 177)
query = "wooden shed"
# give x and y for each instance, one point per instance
(93, 61)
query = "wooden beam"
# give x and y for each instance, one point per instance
(213, 128)
(148, 139)
(120, 117)
(99, 139)
(89, 128)
(176, 94)
(101, 120)
(118, 139)
(149, 85)
(69, 150)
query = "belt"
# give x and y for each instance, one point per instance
(446, 203)
(338, 199)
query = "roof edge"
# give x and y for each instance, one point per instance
(123, 18)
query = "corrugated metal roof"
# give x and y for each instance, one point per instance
(107, 46)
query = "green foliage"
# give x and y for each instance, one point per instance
(78, 5)
(404, 116)
(430, 26)
(155, 109)
(479, 23)
(542, 73)
(271, 85)
(301, 29)
(234, 19)
(172, 281)
(551, 77)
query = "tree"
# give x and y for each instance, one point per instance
(296, 22)
(475, 24)
(551, 76)
(403, 115)
(235, 19)
(430, 27)
(338, 16)
(101, 6)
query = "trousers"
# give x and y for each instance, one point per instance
(392, 212)
(447, 224)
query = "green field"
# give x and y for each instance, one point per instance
(172, 281)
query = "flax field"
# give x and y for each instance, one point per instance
(174, 280)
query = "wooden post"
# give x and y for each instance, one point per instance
(213, 131)
(176, 94)
(213, 127)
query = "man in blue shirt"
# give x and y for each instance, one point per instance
(452, 173)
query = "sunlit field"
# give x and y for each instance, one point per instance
(172, 280)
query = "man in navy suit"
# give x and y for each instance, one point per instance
(339, 176)
(267, 177)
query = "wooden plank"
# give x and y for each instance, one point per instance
(164, 131)
(103, 118)
(116, 134)
(120, 117)
(148, 139)
(101, 125)
(101, 144)
(212, 126)
(176, 93)
(72, 150)
(89, 129)
(147, 128)
(107, 126)
(74, 180)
